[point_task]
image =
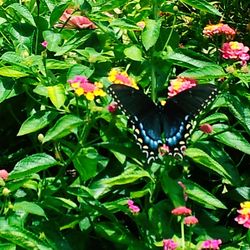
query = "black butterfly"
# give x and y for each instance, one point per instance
(157, 125)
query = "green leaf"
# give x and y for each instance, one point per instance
(56, 64)
(29, 207)
(202, 196)
(53, 39)
(124, 23)
(23, 12)
(151, 33)
(7, 246)
(203, 6)
(8, 89)
(110, 5)
(64, 126)
(185, 61)
(231, 138)
(57, 13)
(21, 237)
(85, 163)
(36, 122)
(10, 71)
(32, 164)
(216, 117)
(57, 95)
(208, 72)
(240, 110)
(81, 70)
(201, 157)
(133, 53)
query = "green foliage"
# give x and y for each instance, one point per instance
(73, 165)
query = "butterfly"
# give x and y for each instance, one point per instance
(157, 125)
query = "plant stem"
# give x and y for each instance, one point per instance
(182, 235)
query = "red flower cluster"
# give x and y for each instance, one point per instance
(180, 84)
(72, 21)
(235, 51)
(218, 29)
(189, 219)
(244, 214)
(206, 128)
(211, 244)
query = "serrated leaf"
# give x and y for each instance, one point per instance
(203, 6)
(21, 237)
(32, 164)
(10, 71)
(64, 126)
(36, 122)
(134, 53)
(231, 138)
(151, 33)
(201, 195)
(29, 207)
(208, 72)
(201, 157)
(57, 95)
(22, 11)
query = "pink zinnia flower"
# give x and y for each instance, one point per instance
(218, 29)
(190, 220)
(133, 208)
(44, 44)
(244, 214)
(82, 86)
(206, 128)
(4, 174)
(235, 51)
(73, 21)
(169, 244)
(181, 211)
(180, 84)
(211, 244)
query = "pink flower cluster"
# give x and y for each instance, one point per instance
(72, 21)
(184, 211)
(169, 244)
(4, 174)
(133, 208)
(218, 29)
(180, 84)
(244, 214)
(235, 51)
(211, 244)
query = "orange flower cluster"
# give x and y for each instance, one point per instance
(218, 29)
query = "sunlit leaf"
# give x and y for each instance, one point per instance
(133, 53)
(57, 95)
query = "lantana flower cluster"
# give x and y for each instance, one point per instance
(235, 51)
(211, 244)
(244, 214)
(71, 20)
(133, 208)
(82, 86)
(121, 77)
(180, 84)
(218, 29)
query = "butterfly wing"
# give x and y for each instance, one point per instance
(143, 114)
(178, 114)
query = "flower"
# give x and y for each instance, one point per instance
(190, 220)
(121, 77)
(133, 208)
(163, 149)
(181, 211)
(180, 84)
(71, 21)
(206, 128)
(211, 244)
(112, 107)
(244, 214)
(218, 29)
(236, 51)
(44, 44)
(169, 244)
(4, 174)
(82, 86)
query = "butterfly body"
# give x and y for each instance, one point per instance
(157, 125)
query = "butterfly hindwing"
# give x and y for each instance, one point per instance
(174, 121)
